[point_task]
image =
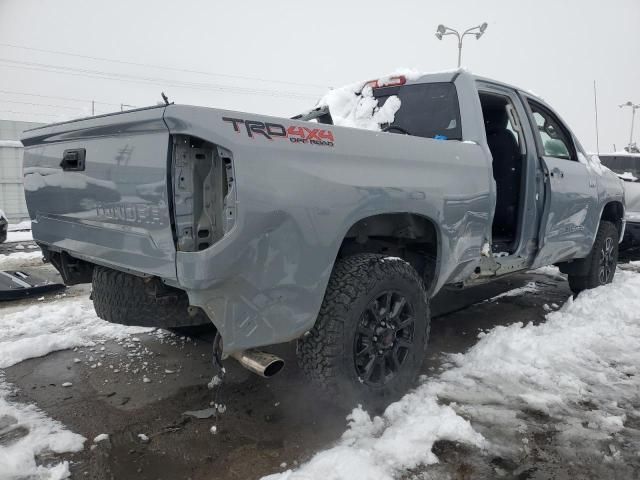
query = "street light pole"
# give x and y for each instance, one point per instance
(477, 31)
(633, 107)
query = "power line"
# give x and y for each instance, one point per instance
(2, 100)
(31, 113)
(149, 80)
(148, 65)
(84, 100)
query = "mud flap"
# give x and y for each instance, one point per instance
(15, 284)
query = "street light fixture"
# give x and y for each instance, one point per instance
(476, 31)
(633, 107)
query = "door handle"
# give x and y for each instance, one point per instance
(556, 172)
(73, 160)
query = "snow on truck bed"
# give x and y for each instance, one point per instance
(354, 105)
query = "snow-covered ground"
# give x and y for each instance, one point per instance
(32, 332)
(19, 232)
(20, 259)
(579, 369)
(19, 236)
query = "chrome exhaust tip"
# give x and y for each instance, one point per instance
(261, 363)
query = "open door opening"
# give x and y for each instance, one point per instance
(506, 144)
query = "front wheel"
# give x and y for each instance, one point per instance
(602, 260)
(369, 340)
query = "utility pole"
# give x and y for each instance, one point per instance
(93, 108)
(477, 31)
(595, 104)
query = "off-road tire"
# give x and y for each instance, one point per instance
(126, 299)
(603, 256)
(327, 352)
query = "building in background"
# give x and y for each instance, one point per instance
(11, 189)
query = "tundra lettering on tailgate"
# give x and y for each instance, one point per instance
(270, 131)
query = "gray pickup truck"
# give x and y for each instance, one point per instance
(278, 229)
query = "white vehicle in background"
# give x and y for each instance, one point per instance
(627, 167)
(4, 226)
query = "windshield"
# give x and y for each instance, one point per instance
(427, 110)
(627, 167)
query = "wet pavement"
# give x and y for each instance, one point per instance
(268, 425)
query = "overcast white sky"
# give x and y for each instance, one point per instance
(554, 48)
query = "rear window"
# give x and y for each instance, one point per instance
(622, 164)
(427, 110)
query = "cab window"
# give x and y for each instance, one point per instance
(554, 137)
(427, 110)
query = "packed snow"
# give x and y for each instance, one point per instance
(11, 143)
(593, 163)
(530, 287)
(586, 353)
(355, 106)
(37, 434)
(24, 225)
(33, 332)
(627, 176)
(19, 236)
(20, 259)
(40, 329)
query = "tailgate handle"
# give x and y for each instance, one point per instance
(73, 160)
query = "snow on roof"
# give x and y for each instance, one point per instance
(11, 143)
(622, 153)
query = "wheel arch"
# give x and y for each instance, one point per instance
(613, 211)
(413, 237)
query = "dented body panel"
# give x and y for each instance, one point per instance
(247, 213)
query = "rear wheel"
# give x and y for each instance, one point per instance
(602, 260)
(369, 341)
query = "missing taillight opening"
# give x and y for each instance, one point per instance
(393, 81)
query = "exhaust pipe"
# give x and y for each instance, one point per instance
(261, 363)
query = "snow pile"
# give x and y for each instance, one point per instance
(580, 370)
(20, 259)
(24, 225)
(33, 332)
(380, 448)
(11, 143)
(593, 163)
(530, 287)
(627, 176)
(41, 329)
(19, 236)
(355, 106)
(36, 434)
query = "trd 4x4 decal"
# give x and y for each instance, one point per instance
(295, 134)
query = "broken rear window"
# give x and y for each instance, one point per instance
(427, 110)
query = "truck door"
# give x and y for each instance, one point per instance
(570, 190)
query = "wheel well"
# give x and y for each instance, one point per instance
(613, 212)
(411, 237)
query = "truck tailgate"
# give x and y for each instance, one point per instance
(97, 189)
